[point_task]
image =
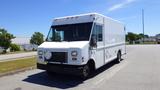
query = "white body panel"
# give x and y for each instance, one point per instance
(106, 50)
(113, 41)
(80, 46)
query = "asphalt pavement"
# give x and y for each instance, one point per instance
(139, 70)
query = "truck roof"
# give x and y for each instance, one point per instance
(81, 18)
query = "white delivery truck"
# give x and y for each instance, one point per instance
(81, 44)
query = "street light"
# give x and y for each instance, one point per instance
(143, 23)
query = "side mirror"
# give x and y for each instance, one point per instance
(93, 42)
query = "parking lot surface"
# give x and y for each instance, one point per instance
(139, 70)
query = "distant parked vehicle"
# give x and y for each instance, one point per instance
(158, 41)
(2, 49)
(29, 47)
(158, 38)
(81, 44)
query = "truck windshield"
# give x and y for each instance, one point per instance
(72, 32)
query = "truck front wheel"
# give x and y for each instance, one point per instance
(86, 71)
(50, 73)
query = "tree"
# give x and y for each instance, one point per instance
(37, 38)
(141, 36)
(133, 37)
(14, 47)
(5, 39)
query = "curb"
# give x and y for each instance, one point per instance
(17, 71)
(5, 60)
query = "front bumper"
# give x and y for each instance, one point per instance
(61, 68)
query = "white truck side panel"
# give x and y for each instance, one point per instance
(98, 53)
(113, 41)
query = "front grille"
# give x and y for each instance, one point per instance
(59, 57)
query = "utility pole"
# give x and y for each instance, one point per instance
(143, 24)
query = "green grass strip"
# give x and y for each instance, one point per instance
(17, 64)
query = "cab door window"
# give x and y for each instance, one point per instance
(97, 35)
(99, 32)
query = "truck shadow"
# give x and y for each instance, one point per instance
(62, 81)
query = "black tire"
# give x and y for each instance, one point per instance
(86, 71)
(118, 60)
(49, 73)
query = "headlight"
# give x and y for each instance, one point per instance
(40, 52)
(48, 55)
(74, 53)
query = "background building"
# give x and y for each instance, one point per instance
(24, 43)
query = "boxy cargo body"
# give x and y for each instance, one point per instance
(82, 43)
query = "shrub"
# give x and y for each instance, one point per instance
(14, 47)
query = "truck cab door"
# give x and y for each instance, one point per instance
(97, 50)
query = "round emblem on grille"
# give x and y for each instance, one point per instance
(48, 55)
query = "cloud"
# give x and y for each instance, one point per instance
(120, 5)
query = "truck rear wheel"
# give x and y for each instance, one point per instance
(118, 60)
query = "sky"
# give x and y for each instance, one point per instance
(24, 17)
